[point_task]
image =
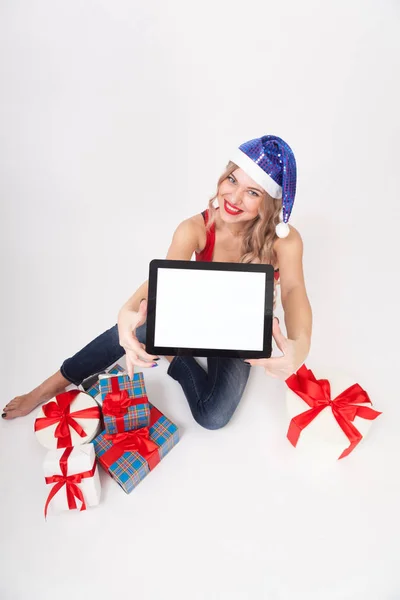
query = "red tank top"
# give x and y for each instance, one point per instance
(206, 255)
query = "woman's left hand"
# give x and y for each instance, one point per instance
(281, 367)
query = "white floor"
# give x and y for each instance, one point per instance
(230, 514)
(117, 119)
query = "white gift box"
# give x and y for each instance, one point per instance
(323, 439)
(91, 426)
(80, 460)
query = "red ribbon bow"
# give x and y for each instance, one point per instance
(117, 402)
(59, 412)
(317, 394)
(137, 440)
(70, 481)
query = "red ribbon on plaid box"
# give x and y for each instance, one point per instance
(117, 402)
(345, 407)
(59, 412)
(70, 482)
(137, 440)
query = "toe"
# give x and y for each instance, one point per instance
(13, 409)
(11, 404)
(12, 414)
(7, 415)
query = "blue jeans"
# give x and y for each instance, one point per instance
(213, 396)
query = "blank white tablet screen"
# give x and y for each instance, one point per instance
(210, 309)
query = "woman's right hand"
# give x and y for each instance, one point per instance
(128, 321)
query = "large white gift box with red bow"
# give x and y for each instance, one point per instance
(328, 418)
(70, 419)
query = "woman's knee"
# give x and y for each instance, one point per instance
(215, 418)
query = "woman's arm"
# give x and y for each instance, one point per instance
(184, 242)
(297, 310)
(134, 311)
(295, 303)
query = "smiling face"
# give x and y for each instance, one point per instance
(239, 197)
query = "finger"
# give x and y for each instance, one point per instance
(145, 364)
(139, 354)
(146, 355)
(276, 363)
(137, 361)
(131, 359)
(143, 307)
(129, 367)
(256, 362)
(133, 345)
(279, 338)
(129, 342)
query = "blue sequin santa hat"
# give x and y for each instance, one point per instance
(271, 163)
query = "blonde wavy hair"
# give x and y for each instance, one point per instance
(259, 234)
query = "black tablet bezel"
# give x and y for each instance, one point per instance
(212, 266)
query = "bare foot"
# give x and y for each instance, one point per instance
(22, 405)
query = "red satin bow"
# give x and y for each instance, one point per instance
(317, 394)
(70, 481)
(59, 412)
(116, 404)
(137, 440)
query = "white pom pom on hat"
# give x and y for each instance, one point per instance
(282, 230)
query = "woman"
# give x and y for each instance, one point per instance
(255, 191)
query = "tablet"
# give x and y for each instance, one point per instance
(210, 309)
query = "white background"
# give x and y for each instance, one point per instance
(117, 118)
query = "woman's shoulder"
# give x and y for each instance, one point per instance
(290, 245)
(192, 228)
(293, 238)
(197, 222)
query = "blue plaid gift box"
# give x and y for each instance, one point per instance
(127, 466)
(94, 389)
(125, 402)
